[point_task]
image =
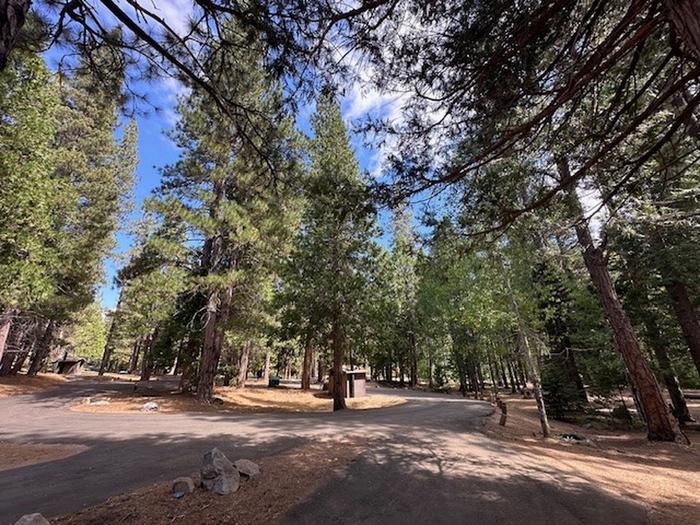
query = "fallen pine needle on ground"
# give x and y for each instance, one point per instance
(253, 398)
(664, 476)
(15, 455)
(285, 480)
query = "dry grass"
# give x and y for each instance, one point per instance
(15, 455)
(251, 399)
(664, 476)
(21, 384)
(286, 479)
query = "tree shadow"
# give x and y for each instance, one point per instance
(398, 485)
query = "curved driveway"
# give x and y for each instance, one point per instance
(427, 462)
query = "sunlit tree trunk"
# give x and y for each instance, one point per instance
(338, 346)
(5, 325)
(308, 363)
(243, 364)
(659, 426)
(528, 359)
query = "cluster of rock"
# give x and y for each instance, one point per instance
(218, 475)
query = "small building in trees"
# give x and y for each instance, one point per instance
(354, 383)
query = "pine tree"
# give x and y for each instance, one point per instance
(334, 249)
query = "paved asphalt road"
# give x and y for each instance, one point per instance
(429, 462)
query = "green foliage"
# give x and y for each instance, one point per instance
(30, 192)
(87, 333)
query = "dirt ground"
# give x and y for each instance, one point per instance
(665, 476)
(285, 480)
(15, 455)
(21, 384)
(252, 398)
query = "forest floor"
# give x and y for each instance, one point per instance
(16, 455)
(21, 384)
(665, 476)
(255, 397)
(437, 458)
(264, 499)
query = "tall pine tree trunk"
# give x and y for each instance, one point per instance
(147, 359)
(266, 369)
(528, 359)
(211, 352)
(42, 350)
(134, 359)
(687, 318)
(243, 364)
(338, 346)
(109, 344)
(659, 426)
(684, 19)
(680, 407)
(308, 363)
(414, 359)
(5, 324)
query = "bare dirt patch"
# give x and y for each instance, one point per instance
(664, 476)
(21, 384)
(286, 479)
(15, 455)
(251, 399)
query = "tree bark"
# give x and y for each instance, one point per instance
(687, 318)
(680, 407)
(5, 324)
(684, 19)
(266, 369)
(528, 359)
(12, 347)
(338, 345)
(13, 14)
(659, 426)
(514, 386)
(134, 359)
(6, 362)
(308, 363)
(42, 350)
(414, 359)
(109, 344)
(189, 359)
(211, 347)
(243, 364)
(147, 359)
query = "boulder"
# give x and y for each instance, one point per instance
(182, 487)
(151, 406)
(219, 475)
(247, 468)
(32, 519)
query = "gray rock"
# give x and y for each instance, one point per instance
(182, 486)
(151, 406)
(247, 468)
(219, 475)
(32, 519)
